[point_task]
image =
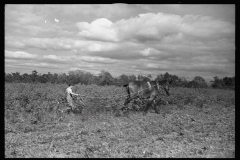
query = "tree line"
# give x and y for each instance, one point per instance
(105, 78)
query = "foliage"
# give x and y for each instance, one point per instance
(194, 123)
(227, 82)
(105, 78)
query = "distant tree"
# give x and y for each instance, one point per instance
(175, 81)
(217, 83)
(43, 78)
(26, 78)
(159, 77)
(198, 79)
(72, 78)
(182, 82)
(166, 75)
(79, 75)
(96, 80)
(193, 84)
(34, 73)
(106, 78)
(132, 77)
(16, 77)
(54, 78)
(87, 78)
(62, 78)
(202, 83)
(34, 76)
(140, 77)
(122, 79)
(8, 77)
(226, 82)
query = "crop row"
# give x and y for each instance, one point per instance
(39, 103)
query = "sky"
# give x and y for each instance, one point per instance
(183, 40)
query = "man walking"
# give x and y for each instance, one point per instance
(69, 97)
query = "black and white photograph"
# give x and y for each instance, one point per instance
(119, 80)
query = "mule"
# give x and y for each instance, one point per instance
(145, 90)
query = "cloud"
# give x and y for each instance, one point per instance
(150, 26)
(151, 65)
(100, 29)
(35, 21)
(151, 41)
(98, 60)
(19, 54)
(13, 42)
(149, 52)
(113, 11)
(22, 14)
(56, 20)
(78, 58)
(41, 65)
(79, 46)
(55, 58)
(184, 67)
(167, 28)
(10, 60)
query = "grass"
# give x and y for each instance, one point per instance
(194, 129)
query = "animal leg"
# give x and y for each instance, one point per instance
(156, 108)
(126, 101)
(147, 106)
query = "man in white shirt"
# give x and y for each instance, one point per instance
(69, 97)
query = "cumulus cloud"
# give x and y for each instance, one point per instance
(55, 58)
(165, 28)
(78, 59)
(152, 26)
(149, 41)
(59, 44)
(100, 29)
(42, 65)
(19, 54)
(98, 60)
(149, 52)
(151, 65)
(35, 21)
(183, 67)
(10, 60)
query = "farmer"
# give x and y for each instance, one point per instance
(69, 97)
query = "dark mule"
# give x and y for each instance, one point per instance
(145, 90)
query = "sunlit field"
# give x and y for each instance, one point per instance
(192, 123)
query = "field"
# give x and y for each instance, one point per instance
(194, 123)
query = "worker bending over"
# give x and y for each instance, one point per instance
(70, 96)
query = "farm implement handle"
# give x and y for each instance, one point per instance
(122, 95)
(82, 101)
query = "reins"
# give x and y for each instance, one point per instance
(122, 95)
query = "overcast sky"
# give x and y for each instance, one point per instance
(184, 40)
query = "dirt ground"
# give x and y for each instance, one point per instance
(187, 131)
